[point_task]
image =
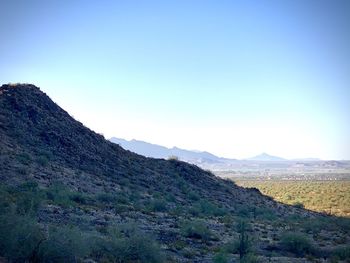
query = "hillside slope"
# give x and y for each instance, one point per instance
(34, 126)
(59, 173)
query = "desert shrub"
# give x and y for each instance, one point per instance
(121, 208)
(231, 246)
(341, 253)
(177, 210)
(221, 257)
(196, 229)
(264, 213)
(127, 244)
(124, 182)
(157, 205)
(106, 198)
(24, 158)
(227, 220)
(250, 258)
(23, 170)
(28, 203)
(30, 186)
(296, 243)
(134, 197)
(122, 199)
(170, 197)
(209, 208)
(195, 210)
(314, 225)
(80, 198)
(206, 208)
(43, 160)
(342, 223)
(27, 197)
(182, 184)
(20, 237)
(243, 211)
(193, 196)
(59, 194)
(5, 200)
(63, 244)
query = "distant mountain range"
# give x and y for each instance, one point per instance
(208, 160)
(158, 151)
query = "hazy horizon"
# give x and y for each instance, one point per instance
(230, 157)
(232, 78)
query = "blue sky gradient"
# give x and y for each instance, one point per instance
(232, 77)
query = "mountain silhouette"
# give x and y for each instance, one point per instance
(158, 151)
(266, 158)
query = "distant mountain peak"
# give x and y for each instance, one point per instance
(266, 157)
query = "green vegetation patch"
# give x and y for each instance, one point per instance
(331, 197)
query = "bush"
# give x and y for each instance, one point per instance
(64, 244)
(59, 194)
(243, 211)
(342, 253)
(206, 208)
(106, 198)
(24, 158)
(123, 200)
(27, 197)
(20, 237)
(80, 198)
(170, 197)
(193, 196)
(197, 230)
(157, 205)
(5, 200)
(127, 244)
(220, 257)
(121, 208)
(264, 213)
(250, 258)
(315, 225)
(43, 160)
(296, 243)
(227, 220)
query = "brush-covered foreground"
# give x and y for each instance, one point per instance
(68, 195)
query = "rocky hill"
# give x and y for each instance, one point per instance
(80, 197)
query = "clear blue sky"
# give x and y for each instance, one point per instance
(235, 78)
